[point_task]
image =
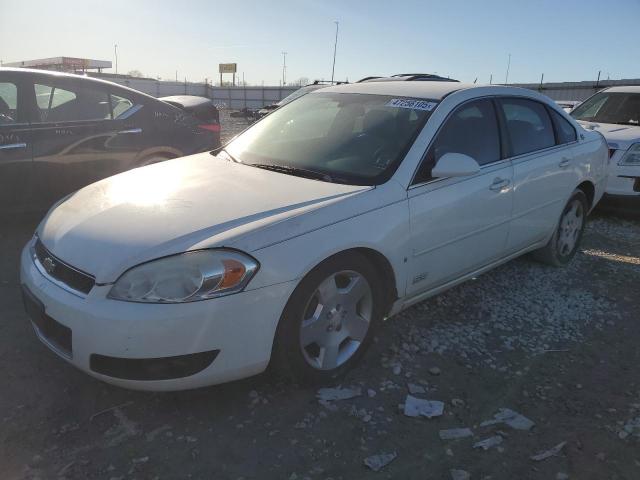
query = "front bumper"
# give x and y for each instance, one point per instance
(626, 204)
(239, 328)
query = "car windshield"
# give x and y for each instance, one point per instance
(340, 137)
(610, 107)
(297, 94)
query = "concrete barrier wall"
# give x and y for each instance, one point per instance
(230, 97)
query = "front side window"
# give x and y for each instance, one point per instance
(56, 104)
(8, 103)
(610, 107)
(342, 137)
(565, 133)
(528, 125)
(472, 130)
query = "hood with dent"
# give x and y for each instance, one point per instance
(619, 137)
(167, 208)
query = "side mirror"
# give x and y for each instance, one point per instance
(455, 165)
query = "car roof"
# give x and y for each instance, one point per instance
(187, 101)
(70, 76)
(625, 89)
(431, 90)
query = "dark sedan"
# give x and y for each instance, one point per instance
(60, 132)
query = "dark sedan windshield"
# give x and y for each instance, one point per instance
(341, 137)
(610, 107)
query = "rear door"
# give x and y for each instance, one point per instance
(15, 144)
(542, 170)
(72, 122)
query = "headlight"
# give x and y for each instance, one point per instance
(186, 277)
(631, 156)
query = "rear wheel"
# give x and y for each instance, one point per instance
(566, 239)
(329, 320)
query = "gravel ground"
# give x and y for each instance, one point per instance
(557, 348)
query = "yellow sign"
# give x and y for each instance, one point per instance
(228, 67)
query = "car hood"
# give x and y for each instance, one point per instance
(191, 202)
(619, 137)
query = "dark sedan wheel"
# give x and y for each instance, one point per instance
(329, 320)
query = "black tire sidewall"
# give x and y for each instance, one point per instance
(289, 357)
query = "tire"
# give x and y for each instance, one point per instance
(323, 333)
(565, 241)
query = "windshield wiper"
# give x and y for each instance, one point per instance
(297, 171)
(635, 124)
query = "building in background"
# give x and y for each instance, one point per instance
(62, 64)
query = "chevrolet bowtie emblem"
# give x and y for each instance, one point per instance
(48, 264)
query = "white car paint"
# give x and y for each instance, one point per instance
(434, 235)
(619, 138)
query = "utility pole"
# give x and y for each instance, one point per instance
(506, 78)
(115, 51)
(335, 48)
(284, 68)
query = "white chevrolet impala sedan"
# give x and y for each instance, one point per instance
(290, 246)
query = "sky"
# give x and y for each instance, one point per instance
(567, 40)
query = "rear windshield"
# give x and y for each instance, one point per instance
(610, 107)
(207, 114)
(352, 138)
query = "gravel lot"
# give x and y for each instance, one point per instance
(558, 346)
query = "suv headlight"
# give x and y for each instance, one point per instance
(631, 156)
(186, 277)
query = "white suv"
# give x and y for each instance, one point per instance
(294, 242)
(615, 112)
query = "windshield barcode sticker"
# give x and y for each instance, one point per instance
(412, 104)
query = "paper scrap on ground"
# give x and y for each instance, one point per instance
(378, 462)
(511, 418)
(488, 443)
(416, 407)
(330, 394)
(455, 433)
(549, 453)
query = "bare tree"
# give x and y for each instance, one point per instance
(135, 73)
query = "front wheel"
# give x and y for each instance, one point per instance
(329, 320)
(566, 239)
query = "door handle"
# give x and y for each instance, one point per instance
(131, 130)
(564, 163)
(499, 184)
(12, 146)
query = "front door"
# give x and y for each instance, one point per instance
(15, 146)
(459, 225)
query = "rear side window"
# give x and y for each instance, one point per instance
(528, 125)
(56, 104)
(120, 105)
(565, 133)
(472, 130)
(8, 103)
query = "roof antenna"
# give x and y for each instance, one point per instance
(475, 80)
